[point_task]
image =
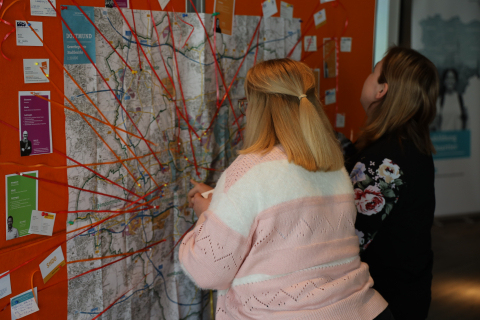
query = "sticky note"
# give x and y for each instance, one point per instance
(23, 304)
(320, 18)
(310, 43)
(269, 8)
(52, 264)
(5, 286)
(340, 121)
(345, 44)
(42, 223)
(286, 10)
(330, 96)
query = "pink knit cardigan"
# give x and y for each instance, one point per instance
(279, 242)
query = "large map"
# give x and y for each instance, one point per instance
(178, 81)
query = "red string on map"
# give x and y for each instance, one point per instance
(87, 115)
(118, 212)
(126, 255)
(73, 187)
(138, 44)
(217, 88)
(80, 164)
(181, 91)
(86, 95)
(83, 115)
(257, 32)
(179, 80)
(256, 49)
(191, 32)
(168, 74)
(183, 236)
(309, 24)
(153, 69)
(113, 303)
(111, 90)
(104, 38)
(216, 62)
(89, 227)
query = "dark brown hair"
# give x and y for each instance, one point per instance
(409, 106)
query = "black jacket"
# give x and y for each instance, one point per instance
(395, 199)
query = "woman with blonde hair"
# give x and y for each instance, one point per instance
(277, 238)
(393, 178)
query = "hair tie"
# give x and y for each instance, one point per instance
(302, 96)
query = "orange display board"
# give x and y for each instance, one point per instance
(350, 18)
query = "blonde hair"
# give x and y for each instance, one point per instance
(277, 114)
(409, 106)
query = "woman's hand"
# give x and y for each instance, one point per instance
(195, 199)
(200, 204)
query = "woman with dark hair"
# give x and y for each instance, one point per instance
(393, 177)
(451, 112)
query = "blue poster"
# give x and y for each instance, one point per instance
(451, 144)
(83, 30)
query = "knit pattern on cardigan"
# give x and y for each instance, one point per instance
(279, 242)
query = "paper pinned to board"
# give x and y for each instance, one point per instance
(52, 264)
(23, 304)
(330, 96)
(42, 223)
(345, 44)
(269, 8)
(320, 18)
(310, 43)
(286, 10)
(5, 286)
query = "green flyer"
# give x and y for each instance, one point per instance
(21, 199)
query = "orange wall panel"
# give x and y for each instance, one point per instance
(353, 69)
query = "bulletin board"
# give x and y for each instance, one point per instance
(348, 18)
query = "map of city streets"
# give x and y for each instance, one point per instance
(192, 130)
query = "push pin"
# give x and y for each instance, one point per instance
(46, 75)
(134, 71)
(138, 184)
(215, 14)
(44, 214)
(70, 222)
(165, 185)
(21, 174)
(36, 63)
(29, 24)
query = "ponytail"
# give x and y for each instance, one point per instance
(284, 108)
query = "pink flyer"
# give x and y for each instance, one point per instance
(35, 123)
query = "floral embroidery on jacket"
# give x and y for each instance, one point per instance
(376, 192)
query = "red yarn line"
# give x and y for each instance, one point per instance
(111, 90)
